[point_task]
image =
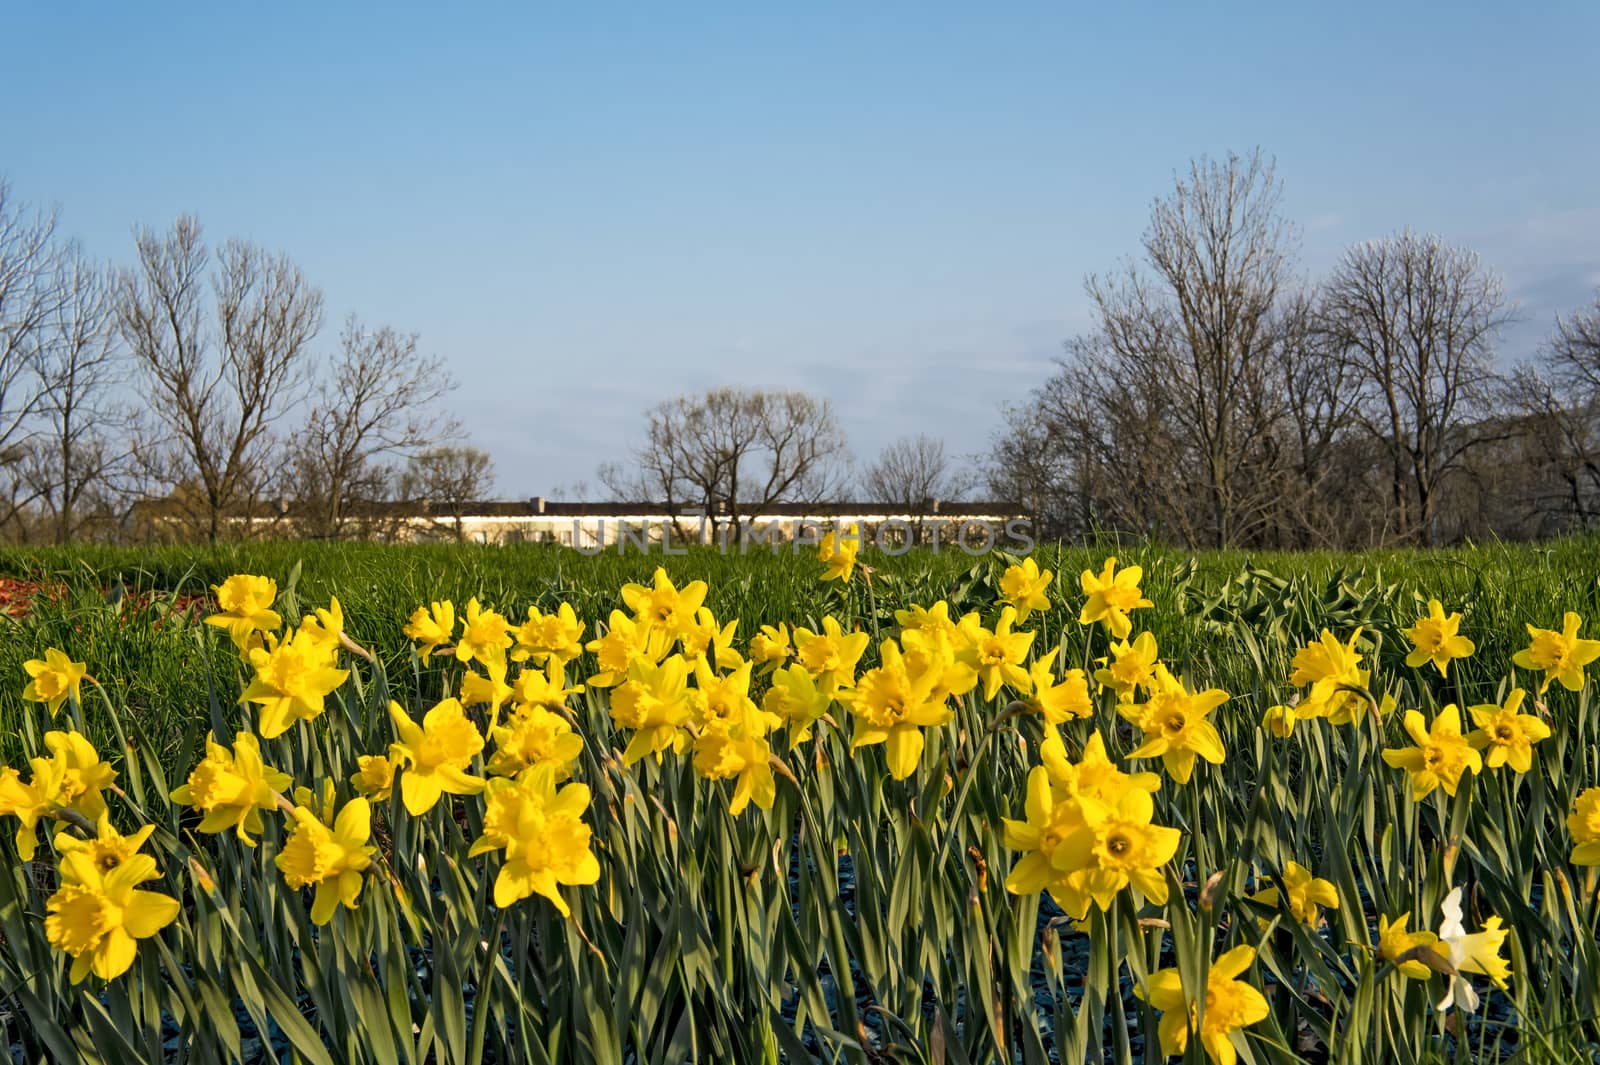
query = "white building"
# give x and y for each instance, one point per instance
(594, 527)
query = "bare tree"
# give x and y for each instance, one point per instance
(728, 452)
(1559, 401)
(1326, 492)
(1171, 412)
(444, 480)
(1574, 351)
(78, 449)
(1417, 318)
(1096, 448)
(377, 402)
(31, 295)
(1044, 456)
(219, 370)
(913, 470)
(1219, 251)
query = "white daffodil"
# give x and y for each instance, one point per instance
(1474, 952)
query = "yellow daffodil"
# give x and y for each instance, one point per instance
(97, 917)
(1089, 831)
(542, 832)
(1174, 724)
(331, 860)
(932, 621)
(1506, 736)
(1230, 1004)
(545, 687)
(432, 627)
(1131, 666)
(655, 703)
(322, 802)
(1111, 595)
(488, 688)
(545, 637)
(742, 755)
(663, 606)
(1279, 721)
(1023, 587)
(231, 788)
(108, 848)
(1435, 638)
(1094, 775)
(71, 777)
(246, 603)
(707, 638)
(1469, 952)
(1057, 837)
(326, 627)
(932, 636)
(997, 657)
(1058, 701)
(624, 641)
(30, 802)
(1440, 757)
(1326, 661)
(1562, 656)
(837, 552)
(1329, 669)
(1394, 943)
(533, 735)
(293, 679)
(53, 679)
(374, 776)
(892, 705)
(1306, 893)
(83, 775)
(436, 755)
(1342, 708)
(1583, 825)
(795, 698)
(723, 703)
(831, 655)
(1128, 850)
(483, 632)
(937, 657)
(771, 647)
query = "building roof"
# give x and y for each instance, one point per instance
(537, 508)
(547, 508)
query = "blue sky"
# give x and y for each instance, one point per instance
(586, 211)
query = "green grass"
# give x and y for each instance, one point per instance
(116, 606)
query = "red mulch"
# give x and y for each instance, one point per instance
(17, 599)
